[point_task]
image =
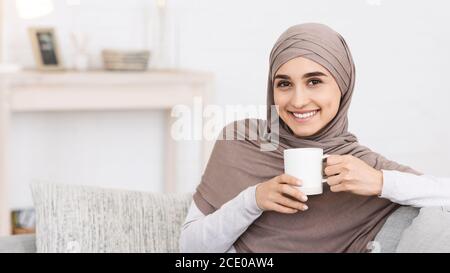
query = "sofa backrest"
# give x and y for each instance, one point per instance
(88, 219)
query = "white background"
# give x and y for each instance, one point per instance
(400, 107)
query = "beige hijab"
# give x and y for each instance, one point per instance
(334, 222)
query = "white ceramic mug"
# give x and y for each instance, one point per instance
(306, 164)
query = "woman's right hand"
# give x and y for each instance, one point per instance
(281, 194)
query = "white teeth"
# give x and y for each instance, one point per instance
(305, 115)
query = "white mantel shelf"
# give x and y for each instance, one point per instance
(32, 91)
(69, 91)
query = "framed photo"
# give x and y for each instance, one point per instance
(45, 48)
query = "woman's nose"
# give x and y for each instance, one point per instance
(299, 98)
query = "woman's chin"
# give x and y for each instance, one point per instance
(302, 130)
(303, 134)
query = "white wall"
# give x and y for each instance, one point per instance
(399, 109)
(113, 149)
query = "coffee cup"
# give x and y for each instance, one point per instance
(306, 164)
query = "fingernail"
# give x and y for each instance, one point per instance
(304, 198)
(305, 207)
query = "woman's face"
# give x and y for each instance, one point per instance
(307, 95)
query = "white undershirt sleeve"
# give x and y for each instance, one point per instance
(413, 190)
(217, 232)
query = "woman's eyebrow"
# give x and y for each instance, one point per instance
(307, 75)
(281, 76)
(314, 74)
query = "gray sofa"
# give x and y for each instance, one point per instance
(18, 244)
(86, 219)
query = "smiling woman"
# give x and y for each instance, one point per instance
(245, 202)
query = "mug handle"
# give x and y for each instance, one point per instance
(325, 180)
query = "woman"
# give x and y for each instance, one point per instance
(245, 203)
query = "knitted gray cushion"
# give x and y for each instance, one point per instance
(87, 219)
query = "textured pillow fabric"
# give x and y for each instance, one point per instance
(429, 232)
(87, 219)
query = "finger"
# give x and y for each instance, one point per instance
(334, 159)
(333, 169)
(289, 179)
(294, 192)
(336, 179)
(338, 188)
(282, 209)
(287, 202)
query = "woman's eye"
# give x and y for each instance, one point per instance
(313, 82)
(283, 84)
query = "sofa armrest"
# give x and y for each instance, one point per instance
(18, 244)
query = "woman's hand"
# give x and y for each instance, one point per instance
(348, 173)
(281, 194)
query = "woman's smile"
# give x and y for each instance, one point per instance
(304, 116)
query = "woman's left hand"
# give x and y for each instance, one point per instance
(351, 174)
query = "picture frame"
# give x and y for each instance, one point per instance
(45, 48)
